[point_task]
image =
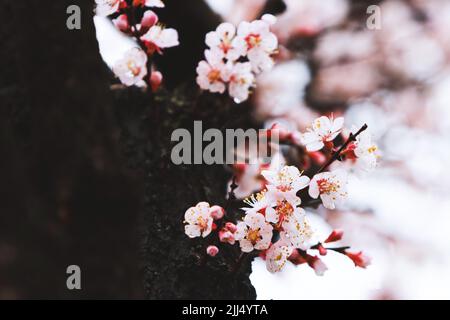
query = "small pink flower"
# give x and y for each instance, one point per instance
(217, 212)
(358, 258)
(212, 251)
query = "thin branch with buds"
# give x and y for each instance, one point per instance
(337, 154)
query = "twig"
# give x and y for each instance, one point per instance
(337, 154)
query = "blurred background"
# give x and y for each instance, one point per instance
(397, 80)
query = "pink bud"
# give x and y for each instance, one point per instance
(358, 258)
(231, 227)
(121, 23)
(217, 212)
(334, 236)
(322, 250)
(155, 80)
(212, 251)
(226, 236)
(149, 19)
(318, 266)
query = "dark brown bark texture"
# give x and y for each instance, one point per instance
(86, 175)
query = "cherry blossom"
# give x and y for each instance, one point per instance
(107, 7)
(154, 3)
(212, 73)
(199, 221)
(220, 42)
(258, 203)
(286, 179)
(132, 68)
(158, 38)
(323, 130)
(254, 233)
(241, 80)
(252, 45)
(366, 152)
(297, 231)
(330, 186)
(281, 205)
(277, 255)
(257, 42)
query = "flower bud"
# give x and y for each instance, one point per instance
(226, 236)
(155, 80)
(121, 23)
(231, 227)
(322, 250)
(212, 251)
(334, 236)
(217, 212)
(149, 19)
(358, 258)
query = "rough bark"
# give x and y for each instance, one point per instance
(86, 172)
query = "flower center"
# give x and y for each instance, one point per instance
(214, 75)
(372, 149)
(325, 186)
(134, 69)
(253, 235)
(202, 223)
(253, 40)
(225, 44)
(284, 210)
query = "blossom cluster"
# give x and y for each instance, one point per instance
(133, 69)
(274, 222)
(236, 55)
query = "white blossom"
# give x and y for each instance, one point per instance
(256, 41)
(241, 80)
(154, 3)
(297, 231)
(158, 38)
(220, 42)
(322, 130)
(286, 178)
(254, 233)
(212, 73)
(330, 186)
(277, 255)
(199, 220)
(105, 8)
(366, 152)
(132, 68)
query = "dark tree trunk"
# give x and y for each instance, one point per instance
(86, 172)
